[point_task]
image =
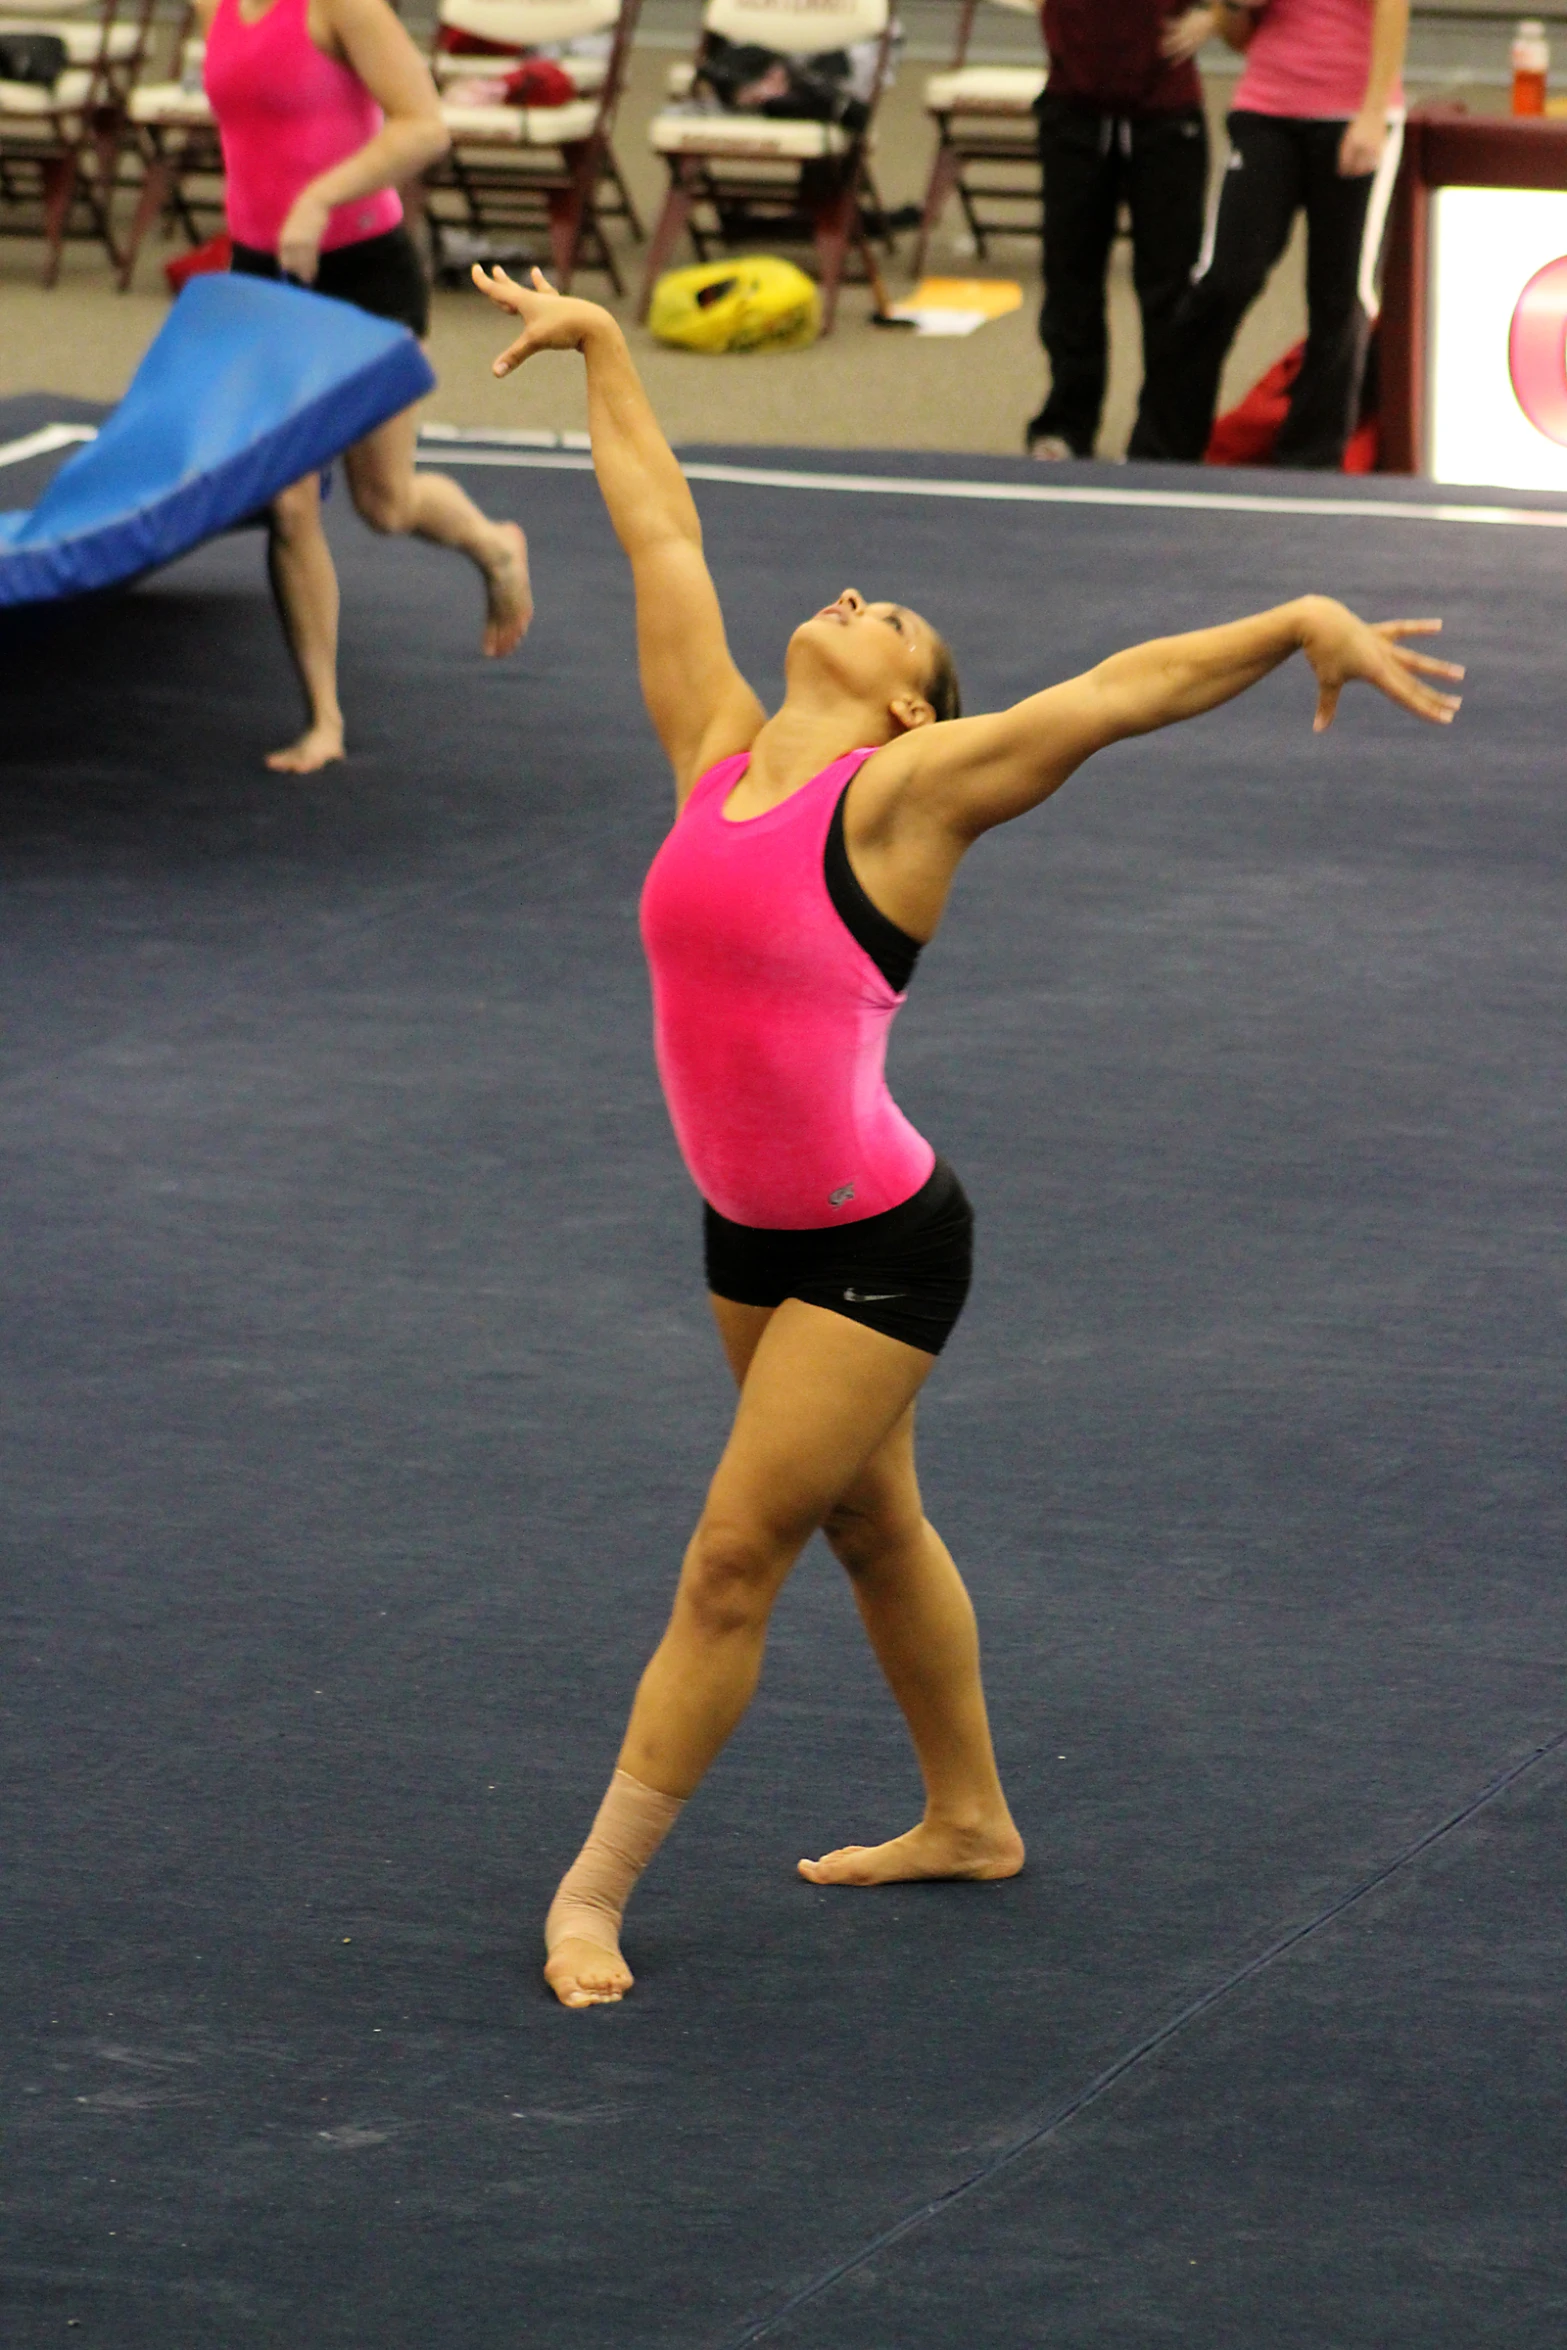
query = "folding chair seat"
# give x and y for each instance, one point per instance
(985, 126)
(118, 44)
(494, 34)
(679, 82)
(758, 137)
(738, 179)
(95, 34)
(513, 169)
(58, 141)
(181, 154)
(44, 190)
(24, 103)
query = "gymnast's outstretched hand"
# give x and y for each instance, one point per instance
(1341, 647)
(551, 321)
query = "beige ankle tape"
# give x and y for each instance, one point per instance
(632, 1823)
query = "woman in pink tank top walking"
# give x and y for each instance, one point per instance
(324, 106)
(811, 856)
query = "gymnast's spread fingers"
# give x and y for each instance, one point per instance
(1425, 666)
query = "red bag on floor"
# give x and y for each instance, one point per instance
(215, 254)
(1246, 433)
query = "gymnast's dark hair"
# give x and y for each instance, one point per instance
(942, 690)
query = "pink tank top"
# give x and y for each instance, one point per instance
(1310, 59)
(287, 113)
(769, 1019)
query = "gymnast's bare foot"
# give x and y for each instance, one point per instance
(508, 590)
(930, 1850)
(582, 1974)
(317, 747)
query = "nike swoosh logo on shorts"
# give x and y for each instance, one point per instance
(872, 1297)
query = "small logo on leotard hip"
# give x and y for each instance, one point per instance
(841, 1197)
(872, 1297)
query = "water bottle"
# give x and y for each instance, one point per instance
(1531, 64)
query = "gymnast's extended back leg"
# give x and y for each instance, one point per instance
(920, 1621)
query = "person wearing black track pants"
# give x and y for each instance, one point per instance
(1314, 130)
(1120, 122)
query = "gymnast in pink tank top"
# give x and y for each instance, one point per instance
(770, 1016)
(811, 854)
(325, 108)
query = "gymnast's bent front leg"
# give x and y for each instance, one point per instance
(821, 1436)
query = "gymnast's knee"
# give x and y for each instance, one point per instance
(866, 1537)
(732, 1574)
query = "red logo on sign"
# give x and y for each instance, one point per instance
(1537, 351)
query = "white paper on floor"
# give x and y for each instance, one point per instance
(941, 322)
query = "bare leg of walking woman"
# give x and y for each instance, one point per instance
(304, 588)
(394, 497)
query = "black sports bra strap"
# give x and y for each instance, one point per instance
(892, 950)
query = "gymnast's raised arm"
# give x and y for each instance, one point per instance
(700, 705)
(979, 772)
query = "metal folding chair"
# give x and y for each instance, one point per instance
(59, 141)
(181, 156)
(515, 169)
(740, 179)
(987, 141)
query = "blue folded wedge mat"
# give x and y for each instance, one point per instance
(249, 386)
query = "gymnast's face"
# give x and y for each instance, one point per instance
(880, 654)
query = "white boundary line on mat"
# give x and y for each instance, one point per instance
(446, 448)
(41, 443)
(1025, 493)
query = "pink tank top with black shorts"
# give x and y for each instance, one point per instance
(775, 983)
(286, 113)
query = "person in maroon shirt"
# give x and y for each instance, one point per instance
(1120, 122)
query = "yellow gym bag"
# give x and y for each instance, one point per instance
(752, 303)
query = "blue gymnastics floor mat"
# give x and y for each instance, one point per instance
(248, 386)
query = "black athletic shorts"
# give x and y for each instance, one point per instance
(380, 274)
(905, 1272)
